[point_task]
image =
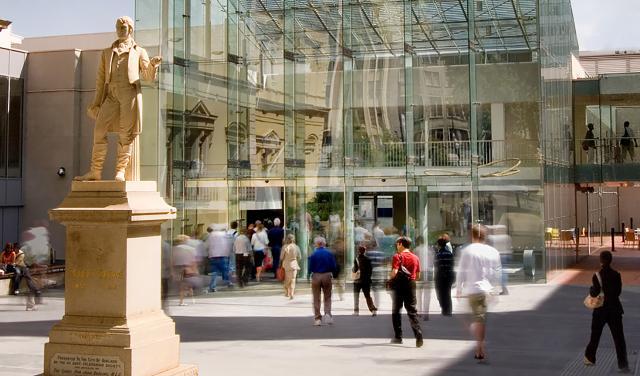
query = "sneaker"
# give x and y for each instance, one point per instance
(17, 292)
(419, 341)
(356, 313)
(374, 313)
(396, 340)
(182, 304)
(587, 362)
(328, 319)
(317, 322)
(212, 289)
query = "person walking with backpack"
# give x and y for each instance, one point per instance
(444, 274)
(608, 282)
(628, 142)
(405, 270)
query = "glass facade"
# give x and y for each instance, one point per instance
(418, 116)
(11, 120)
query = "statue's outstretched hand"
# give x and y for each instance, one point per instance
(156, 60)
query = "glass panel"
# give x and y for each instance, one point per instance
(14, 130)
(4, 131)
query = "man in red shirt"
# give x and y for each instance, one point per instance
(405, 269)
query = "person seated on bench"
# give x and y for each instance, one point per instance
(8, 259)
(22, 271)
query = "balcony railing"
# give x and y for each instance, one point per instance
(442, 153)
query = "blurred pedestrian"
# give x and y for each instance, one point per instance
(185, 269)
(608, 282)
(444, 274)
(259, 241)
(219, 246)
(362, 271)
(322, 266)
(405, 270)
(289, 261)
(276, 237)
(423, 285)
(479, 276)
(244, 258)
(22, 272)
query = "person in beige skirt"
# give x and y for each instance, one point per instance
(289, 261)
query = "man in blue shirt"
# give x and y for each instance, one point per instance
(322, 265)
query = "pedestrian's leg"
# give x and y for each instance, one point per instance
(225, 271)
(327, 286)
(597, 324)
(356, 297)
(366, 290)
(315, 290)
(410, 306)
(617, 332)
(275, 254)
(292, 284)
(213, 266)
(440, 294)
(395, 313)
(446, 299)
(240, 270)
(426, 300)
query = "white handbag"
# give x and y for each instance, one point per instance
(595, 302)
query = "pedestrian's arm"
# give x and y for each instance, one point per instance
(595, 286)
(462, 274)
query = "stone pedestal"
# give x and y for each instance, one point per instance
(113, 323)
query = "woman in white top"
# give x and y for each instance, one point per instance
(289, 261)
(259, 242)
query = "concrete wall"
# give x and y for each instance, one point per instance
(57, 132)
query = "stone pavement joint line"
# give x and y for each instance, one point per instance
(606, 364)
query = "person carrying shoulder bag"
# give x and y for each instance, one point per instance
(609, 283)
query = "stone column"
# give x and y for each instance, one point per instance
(113, 323)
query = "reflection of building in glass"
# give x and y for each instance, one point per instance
(403, 117)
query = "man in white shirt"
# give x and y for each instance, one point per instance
(479, 274)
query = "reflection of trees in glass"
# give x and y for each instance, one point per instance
(325, 204)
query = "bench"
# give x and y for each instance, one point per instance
(46, 276)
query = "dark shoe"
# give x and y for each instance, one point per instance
(374, 313)
(396, 340)
(419, 342)
(479, 357)
(212, 290)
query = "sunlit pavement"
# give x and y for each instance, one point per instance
(536, 330)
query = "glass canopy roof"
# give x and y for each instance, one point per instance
(377, 27)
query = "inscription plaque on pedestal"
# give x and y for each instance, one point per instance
(86, 365)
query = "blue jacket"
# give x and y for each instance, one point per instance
(322, 261)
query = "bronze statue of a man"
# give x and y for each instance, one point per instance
(117, 105)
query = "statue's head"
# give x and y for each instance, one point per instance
(124, 27)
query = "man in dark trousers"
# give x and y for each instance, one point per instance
(276, 237)
(405, 269)
(322, 266)
(610, 313)
(444, 274)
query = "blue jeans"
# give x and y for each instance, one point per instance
(219, 265)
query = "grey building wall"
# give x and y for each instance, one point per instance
(58, 133)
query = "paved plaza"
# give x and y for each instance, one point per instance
(536, 330)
